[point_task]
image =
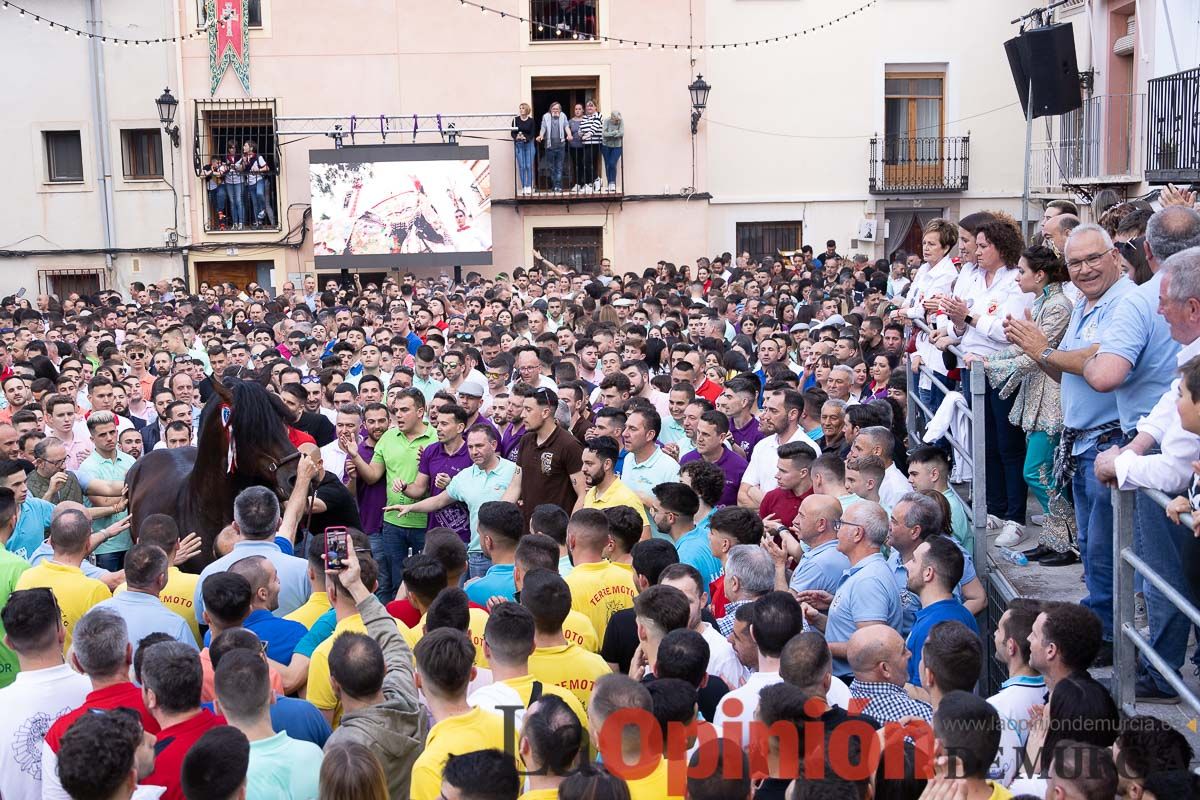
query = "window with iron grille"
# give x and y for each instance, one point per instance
(65, 281)
(141, 154)
(64, 156)
(762, 239)
(579, 248)
(253, 12)
(563, 20)
(241, 188)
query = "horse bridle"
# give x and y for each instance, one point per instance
(312, 489)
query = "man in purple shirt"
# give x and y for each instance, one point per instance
(738, 401)
(712, 431)
(441, 461)
(371, 496)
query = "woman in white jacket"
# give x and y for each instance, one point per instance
(936, 277)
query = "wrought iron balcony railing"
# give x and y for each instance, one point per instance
(919, 164)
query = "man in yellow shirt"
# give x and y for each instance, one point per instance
(480, 774)
(76, 593)
(555, 661)
(600, 456)
(451, 609)
(318, 601)
(161, 530)
(509, 641)
(551, 738)
(539, 551)
(620, 692)
(625, 530)
(599, 589)
(445, 666)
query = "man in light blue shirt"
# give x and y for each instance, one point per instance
(280, 766)
(822, 564)
(256, 520)
(34, 515)
(485, 480)
(645, 465)
(674, 508)
(144, 614)
(867, 593)
(423, 379)
(1091, 419)
(107, 462)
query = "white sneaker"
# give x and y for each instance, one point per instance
(597, 184)
(612, 187)
(575, 189)
(994, 523)
(587, 189)
(1038, 519)
(1010, 535)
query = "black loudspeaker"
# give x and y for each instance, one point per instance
(1047, 57)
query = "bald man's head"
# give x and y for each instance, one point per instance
(817, 517)
(877, 653)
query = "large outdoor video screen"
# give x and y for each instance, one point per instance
(382, 206)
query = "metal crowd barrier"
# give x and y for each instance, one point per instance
(1128, 641)
(996, 587)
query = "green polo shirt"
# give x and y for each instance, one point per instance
(399, 456)
(11, 567)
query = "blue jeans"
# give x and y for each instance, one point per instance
(216, 205)
(554, 163)
(477, 565)
(236, 202)
(612, 156)
(258, 200)
(1163, 545)
(525, 151)
(111, 562)
(1094, 520)
(390, 548)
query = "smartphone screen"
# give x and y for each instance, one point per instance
(336, 547)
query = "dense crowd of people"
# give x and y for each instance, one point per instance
(609, 535)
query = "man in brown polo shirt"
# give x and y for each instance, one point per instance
(549, 459)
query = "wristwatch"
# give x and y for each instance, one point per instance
(1045, 356)
(970, 320)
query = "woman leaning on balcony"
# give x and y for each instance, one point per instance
(1037, 407)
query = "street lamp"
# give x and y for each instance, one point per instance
(167, 104)
(699, 90)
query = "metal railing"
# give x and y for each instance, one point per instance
(1096, 143)
(584, 175)
(1128, 641)
(917, 164)
(563, 20)
(964, 451)
(1173, 128)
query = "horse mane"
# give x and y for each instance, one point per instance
(260, 435)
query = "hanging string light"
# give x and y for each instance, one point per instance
(37, 19)
(562, 29)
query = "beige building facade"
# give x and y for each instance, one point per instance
(859, 132)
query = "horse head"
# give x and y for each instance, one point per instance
(243, 437)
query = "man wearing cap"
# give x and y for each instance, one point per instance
(471, 394)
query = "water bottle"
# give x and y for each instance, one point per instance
(1015, 556)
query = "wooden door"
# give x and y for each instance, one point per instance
(239, 273)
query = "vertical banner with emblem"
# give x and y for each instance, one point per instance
(228, 42)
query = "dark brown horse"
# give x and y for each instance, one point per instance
(196, 485)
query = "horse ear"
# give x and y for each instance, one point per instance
(221, 389)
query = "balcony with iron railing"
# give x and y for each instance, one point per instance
(563, 21)
(919, 164)
(1173, 128)
(1095, 145)
(570, 175)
